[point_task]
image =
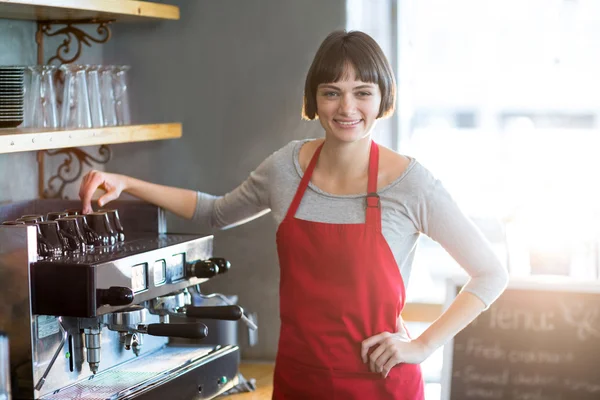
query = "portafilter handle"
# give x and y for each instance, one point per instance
(202, 269)
(207, 268)
(187, 331)
(229, 313)
(222, 263)
(114, 296)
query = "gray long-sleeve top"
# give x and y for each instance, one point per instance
(414, 203)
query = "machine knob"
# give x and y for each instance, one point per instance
(114, 296)
(202, 269)
(187, 331)
(229, 313)
(223, 264)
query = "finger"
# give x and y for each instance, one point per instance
(390, 363)
(370, 342)
(108, 197)
(383, 360)
(88, 191)
(376, 355)
(84, 182)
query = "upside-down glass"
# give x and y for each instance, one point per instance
(41, 110)
(107, 96)
(93, 82)
(75, 101)
(121, 94)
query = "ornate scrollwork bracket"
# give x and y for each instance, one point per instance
(68, 172)
(67, 52)
(64, 53)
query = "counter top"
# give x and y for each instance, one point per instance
(263, 373)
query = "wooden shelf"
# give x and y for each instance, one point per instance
(79, 10)
(17, 140)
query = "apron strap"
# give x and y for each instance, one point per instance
(373, 206)
(304, 183)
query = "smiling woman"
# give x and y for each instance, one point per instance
(349, 214)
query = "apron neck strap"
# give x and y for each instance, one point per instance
(373, 217)
(304, 183)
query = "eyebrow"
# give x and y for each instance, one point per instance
(328, 86)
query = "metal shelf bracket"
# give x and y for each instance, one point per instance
(68, 52)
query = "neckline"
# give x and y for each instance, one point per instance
(315, 188)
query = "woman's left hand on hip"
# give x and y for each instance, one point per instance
(392, 349)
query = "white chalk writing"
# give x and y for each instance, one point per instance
(536, 394)
(481, 393)
(522, 319)
(583, 317)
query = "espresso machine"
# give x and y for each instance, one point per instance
(90, 311)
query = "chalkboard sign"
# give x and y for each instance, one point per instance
(538, 341)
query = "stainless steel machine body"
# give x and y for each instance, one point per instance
(96, 325)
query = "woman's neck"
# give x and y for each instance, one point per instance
(345, 161)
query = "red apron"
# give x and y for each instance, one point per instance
(340, 285)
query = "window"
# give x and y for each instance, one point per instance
(499, 99)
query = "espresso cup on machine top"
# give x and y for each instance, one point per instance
(115, 222)
(45, 247)
(70, 229)
(52, 216)
(92, 239)
(54, 238)
(73, 211)
(31, 218)
(100, 223)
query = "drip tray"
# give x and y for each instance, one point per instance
(173, 372)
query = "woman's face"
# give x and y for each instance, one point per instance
(348, 109)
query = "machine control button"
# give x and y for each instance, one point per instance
(139, 279)
(114, 296)
(160, 272)
(176, 267)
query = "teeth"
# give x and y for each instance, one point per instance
(349, 123)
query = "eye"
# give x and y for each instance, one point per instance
(330, 94)
(364, 94)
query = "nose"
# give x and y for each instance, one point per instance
(347, 104)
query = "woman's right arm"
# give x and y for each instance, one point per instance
(179, 201)
(248, 201)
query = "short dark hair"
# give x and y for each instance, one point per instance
(361, 51)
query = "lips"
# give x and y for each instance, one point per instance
(348, 123)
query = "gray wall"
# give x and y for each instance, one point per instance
(18, 172)
(233, 73)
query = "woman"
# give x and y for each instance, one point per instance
(349, 213)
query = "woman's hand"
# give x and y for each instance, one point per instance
(392, 349)
(113, 184)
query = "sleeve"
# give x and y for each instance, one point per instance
(245, 203)
(442, 220)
